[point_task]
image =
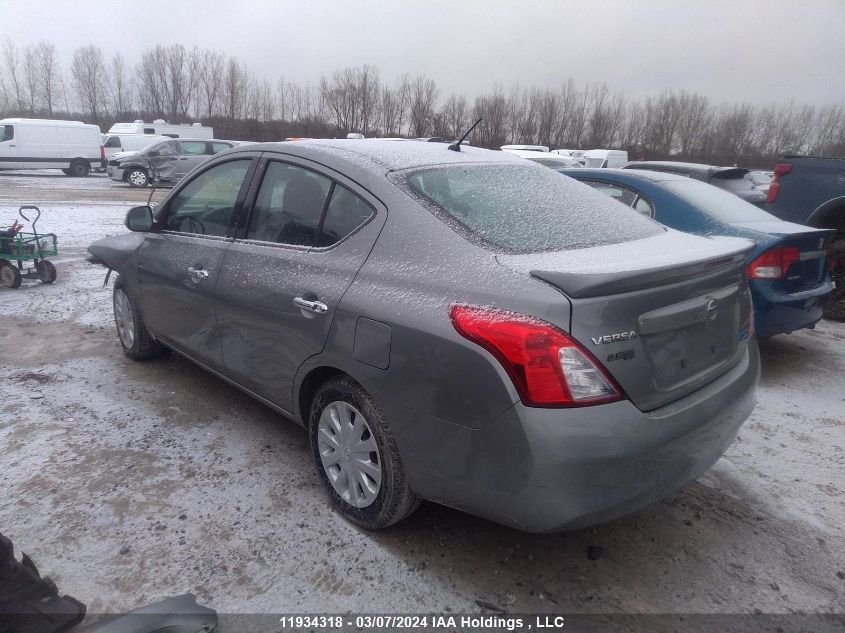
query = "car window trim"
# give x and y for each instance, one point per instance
(258, 179)
(164, 208)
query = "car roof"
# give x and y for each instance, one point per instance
(642, 174)
(391, 155)
(699, 169)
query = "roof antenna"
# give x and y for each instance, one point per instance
(456, 146)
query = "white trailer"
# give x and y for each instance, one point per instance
(160, 127)
(72, 146)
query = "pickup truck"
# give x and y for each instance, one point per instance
(811, 190)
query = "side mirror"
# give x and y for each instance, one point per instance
(139, 219)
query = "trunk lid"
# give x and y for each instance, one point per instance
(664, 315)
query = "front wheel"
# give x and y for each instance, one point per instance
(132, 332)
(10, 276)
(835, 308)
(357, 457)
(137, 177)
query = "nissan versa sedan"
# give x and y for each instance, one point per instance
(787, 270)
(457, 325)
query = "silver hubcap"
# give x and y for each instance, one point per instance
(349, 454)
(124, 319)
(138, 178)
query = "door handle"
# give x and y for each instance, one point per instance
(317, 307)
(197, 274)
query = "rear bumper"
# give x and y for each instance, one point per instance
(551, 470)
(778, 312)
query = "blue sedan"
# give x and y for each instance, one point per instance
(787, 272)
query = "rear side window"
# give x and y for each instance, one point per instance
(205, 205)
(7, 132)
(289, 205)
(526, 209)
(345, 213)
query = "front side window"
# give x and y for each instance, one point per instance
(525, 209)
(289, 205)
(205, 205)
(113, 141)
(345, 213)
(7, 132)
(169, 148)
(193, 148)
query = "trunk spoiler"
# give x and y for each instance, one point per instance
(578, 285)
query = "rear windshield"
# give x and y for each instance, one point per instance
(526, 209)
(717, 203)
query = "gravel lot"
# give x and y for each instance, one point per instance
(127, 482)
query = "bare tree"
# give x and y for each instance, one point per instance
(48, 73)
(30, 75)
(12, 65)
(210, 80)
(424, 93)
(455, 114)
(119, 86)
(88, 72)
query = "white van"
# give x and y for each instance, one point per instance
(72, 146)
(160, 127)
(605, 158)
(115, 143)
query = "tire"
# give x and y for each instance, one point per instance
(342, 406)
(132, 332)
(10, 276)
(46, 271)
(78, 169)
(66, 172)
(835, 308)
(137, 177)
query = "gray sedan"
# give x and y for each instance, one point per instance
(460, 326)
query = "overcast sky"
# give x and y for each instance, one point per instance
(730, 50)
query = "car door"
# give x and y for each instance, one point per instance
(193, 153)
(8, 148)
(163, 160)
(308, 233)
(179, 262)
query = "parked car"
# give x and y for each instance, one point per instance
(761, 180)
(167, 161)
(72, 146)
(787, 271)
(126, 144)
(448, 325)
(555, 161)
(811, 190)
(605, 158)
(525, 148)
(728, 178)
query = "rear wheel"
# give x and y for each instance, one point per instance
(835, 308)
(132, 332)
(137, 177)
(10, 276)
(357, 457)
(78, 169)
(46, 271)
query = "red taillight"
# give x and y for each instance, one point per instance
(548, 368)
(781, 169)
(102, 153)
(773, 264)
